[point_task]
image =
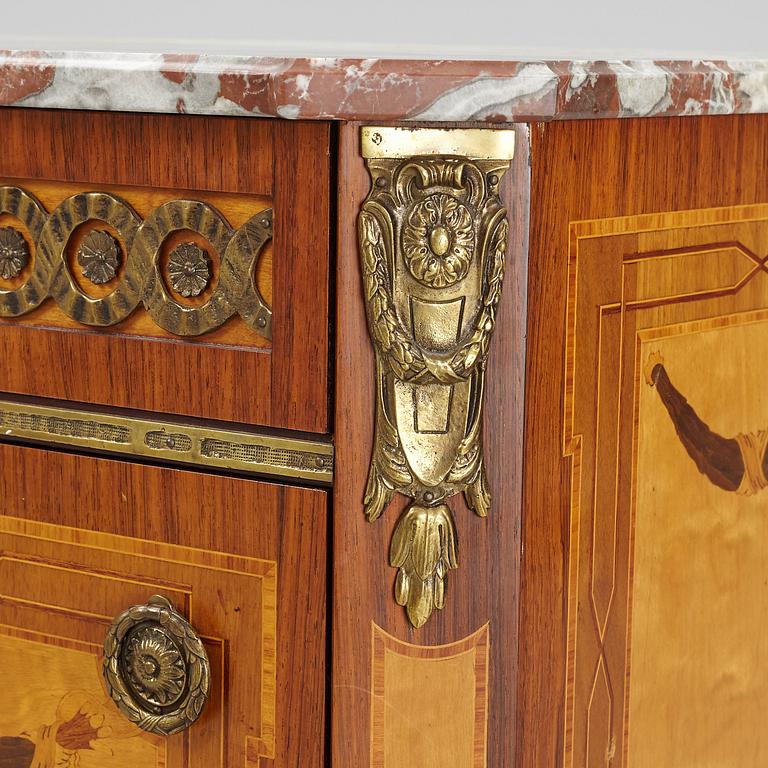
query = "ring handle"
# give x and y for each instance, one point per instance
(156, 668)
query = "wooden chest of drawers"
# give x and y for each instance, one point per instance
(287, 479)
(164, 298)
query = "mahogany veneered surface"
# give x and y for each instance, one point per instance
(483, 590)
(285, 385)
(585, 171)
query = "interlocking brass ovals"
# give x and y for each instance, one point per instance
(165, 310)
(240, 261)
(136, 271)
(24, 207)
(155, 668)
(54, 239)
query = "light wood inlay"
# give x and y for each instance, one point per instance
(430, 703)
(63, 586)
(666, 569)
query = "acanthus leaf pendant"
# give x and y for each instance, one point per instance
(433, 240)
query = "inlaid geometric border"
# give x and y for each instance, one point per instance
(80, 550)
(616, 335)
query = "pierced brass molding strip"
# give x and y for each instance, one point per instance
(285, 458)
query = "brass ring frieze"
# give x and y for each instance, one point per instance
(134, 263)
(73, 301)
(24, 298)
(168, 313)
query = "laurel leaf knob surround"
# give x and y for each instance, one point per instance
(156, 668)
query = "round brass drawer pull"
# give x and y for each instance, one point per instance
(156, 668)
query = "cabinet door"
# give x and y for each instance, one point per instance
(83, 539)
(645, 534)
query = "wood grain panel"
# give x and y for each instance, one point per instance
(634, 303)
(483, 589)
(221, 154)
(82, 539)
(282, 386)
(587, 172)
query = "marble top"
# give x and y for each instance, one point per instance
(382, 89)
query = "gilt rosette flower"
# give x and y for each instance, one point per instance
(155, 666)
(99, 257)
(14, 253)
(438, 241)
(189, 270)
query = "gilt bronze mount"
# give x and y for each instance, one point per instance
(156, 668)
(433, 241)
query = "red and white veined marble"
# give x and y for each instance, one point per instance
(381, 89)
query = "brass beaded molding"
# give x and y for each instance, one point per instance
(141, 281)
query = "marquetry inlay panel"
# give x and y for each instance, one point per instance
(153, 262)
(429, 703)
(61, 587)
(665, 416)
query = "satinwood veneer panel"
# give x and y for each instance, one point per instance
(237, 167)
(648, 242)
(82, 539)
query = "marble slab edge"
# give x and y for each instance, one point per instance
(381, 89)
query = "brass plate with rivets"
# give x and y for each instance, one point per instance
(288, 458)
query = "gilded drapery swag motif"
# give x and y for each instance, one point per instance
(433, 238)
(132, 266)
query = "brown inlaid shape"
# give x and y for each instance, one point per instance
(660, 668)
(64, 717)
(430, 703)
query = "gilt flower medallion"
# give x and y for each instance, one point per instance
(14, 253)
(189, 270)
(99, 257)
(155, 666)
(438, 241)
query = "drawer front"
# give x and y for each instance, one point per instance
(82, 540)
(189, 255)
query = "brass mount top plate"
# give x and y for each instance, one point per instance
(475, 143)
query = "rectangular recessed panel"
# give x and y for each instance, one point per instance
(62, 588)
